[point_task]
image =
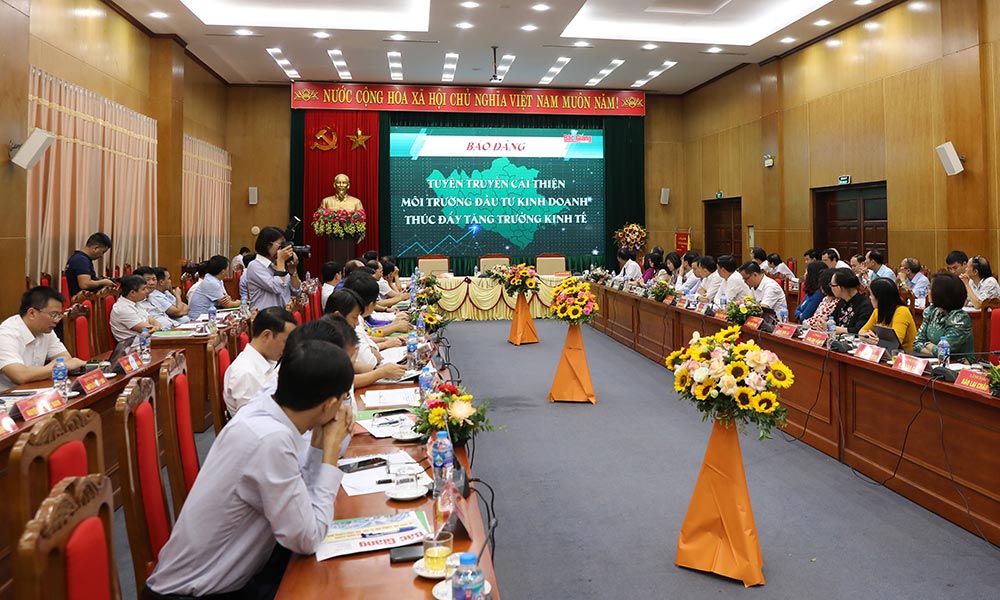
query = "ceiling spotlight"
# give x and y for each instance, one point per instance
(158, 14)
(528, 27)
(464, 25)
(787, 40)
(243, 32)
(337, 57)
(834, 43)
(821, 23)
(917, 6)
(581, 44)
(872, 26)
(862, 2)
(321, 35)
(469, 5)
(714, 50)
(649, 46)
(399, 37)
(541, 7)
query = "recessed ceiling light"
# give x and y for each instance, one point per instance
(464, 25)
(243, 32)
(872, 26)
(337, 57)
(834, 43)
(918, 6)
(450, 65)
(668, 64)
(528, 27)
(88, 12)
(581, 44)
(504, 65)
(605, 72)
(395, 65)
(283, 62)
(787, 40)
(158, 14)
(561, 62)
(649, 46)
(862, 2)
(469, 5)
(714, 50)
(821, 23)
(321, 35)
(541, 7)
(399, 37)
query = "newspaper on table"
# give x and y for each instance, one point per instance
(365, 534)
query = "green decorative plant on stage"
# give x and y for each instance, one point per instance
(660, 289)
(732, 382)
(737, 311)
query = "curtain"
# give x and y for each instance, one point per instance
(624, 177)
(207, 184)
(98, 175)
(319, 167)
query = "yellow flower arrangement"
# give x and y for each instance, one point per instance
(738, 370)
(461, 410)
(438, 417)
(765, 402)
(450, 408)
(780, 376)
(572, 301)
(682, 380)
(744, 397)
(518, 279)
(703, 389)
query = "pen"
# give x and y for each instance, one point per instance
(382, 481)
(393, 532)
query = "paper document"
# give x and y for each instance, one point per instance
(412, 374)
(383, 427)
(365, 482)
(351, 536)
(399, 397)
(393, 355)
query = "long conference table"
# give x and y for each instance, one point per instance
(855, 411)
(370, 575)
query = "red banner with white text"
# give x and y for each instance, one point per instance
(358, 96)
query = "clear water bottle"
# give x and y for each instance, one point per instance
(413, 294)
(308, 276)
(442, 459)
(723, 301)
(944, 351)
(245, 307)
(783, 315)
(421, 328)
(144, 352)
(426, 381)
(60, 378)
(468, 581)
(411, 350)
(212, 313)
(831, 328)
(475, 271)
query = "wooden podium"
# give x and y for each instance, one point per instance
(342, 249)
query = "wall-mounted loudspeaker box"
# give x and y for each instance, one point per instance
(950, 159)
(253, 195)
(28, 154)
(664, 195)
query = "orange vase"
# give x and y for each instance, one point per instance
(522, 328)
(719, 534)
(572, 382)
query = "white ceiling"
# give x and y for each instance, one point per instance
(745, 30)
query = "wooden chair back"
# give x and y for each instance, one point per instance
(992, 327)
(64, 288)
(244, 339)
(104, 300)
(64, 444)
(550, 264)
(45, 279)
(67, 549)
(143, 496)
(488, 261)
(218, 364)
(907, 297)
(173, 411)
(187, 280)
(434, 264)
(316, 301)
(77, 332)
(297, 307)
(128, 269)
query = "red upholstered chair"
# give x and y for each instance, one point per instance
(143, 496)
(173, 411)
(244, 339)
(216, 401)
(128, 269)
(67, 550)
(45, 280)
(989, 307)
(64, 444)
(64, 288)
(317, 303)
(77, 332)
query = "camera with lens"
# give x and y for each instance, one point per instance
(300, 251)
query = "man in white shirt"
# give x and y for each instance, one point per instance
(910, 276)
(153, 309)
(262, 484)
(28, 346)
(237, 263)
(875, 259)
(369, 366)
(628, 269)
(760, 257)
(831, 258)
(734, 287)
(689, 265)
(778, 267)
(257, 364)
(127, 316)
(765, 290)
(332, 274)
(711, 281)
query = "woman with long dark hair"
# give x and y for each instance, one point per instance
(813, 293)
(890, 311)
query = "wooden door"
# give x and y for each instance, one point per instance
(724, 228)
(852, 219)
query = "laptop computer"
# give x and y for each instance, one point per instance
(887, 337)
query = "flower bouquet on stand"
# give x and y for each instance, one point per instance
(450, 408)
(659, 289)
(574, 303)
(732, 384)
(738, 311)
(632, 235)
(517, 281)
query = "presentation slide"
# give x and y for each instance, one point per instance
(475, 191)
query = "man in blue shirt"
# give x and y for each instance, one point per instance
(211, 291)
(80, 272)
(912, 278)
(168, 298)
(876, 262)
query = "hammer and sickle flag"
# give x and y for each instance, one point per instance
(326, 139)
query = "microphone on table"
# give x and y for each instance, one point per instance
(489, 534)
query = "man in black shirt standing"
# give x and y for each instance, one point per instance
(80, 272)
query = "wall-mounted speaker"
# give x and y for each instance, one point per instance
(950, 159)
(253, 195)
(664, 196)
(28, 154)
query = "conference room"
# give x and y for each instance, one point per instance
(447, 299)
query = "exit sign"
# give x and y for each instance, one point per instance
(844, 180)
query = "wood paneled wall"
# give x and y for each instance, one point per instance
(871, 102)
(204, 104)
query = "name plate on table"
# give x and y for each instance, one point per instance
(668, 300)
(91, 381)
(691, 304)
(785, 330)
(815, 338)
(974, 380)
(910, 364)
(870, 352)
(701, 307)
(40, 405)
(753, 322)
(561, 274)
(6, 423)
(130, 363)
